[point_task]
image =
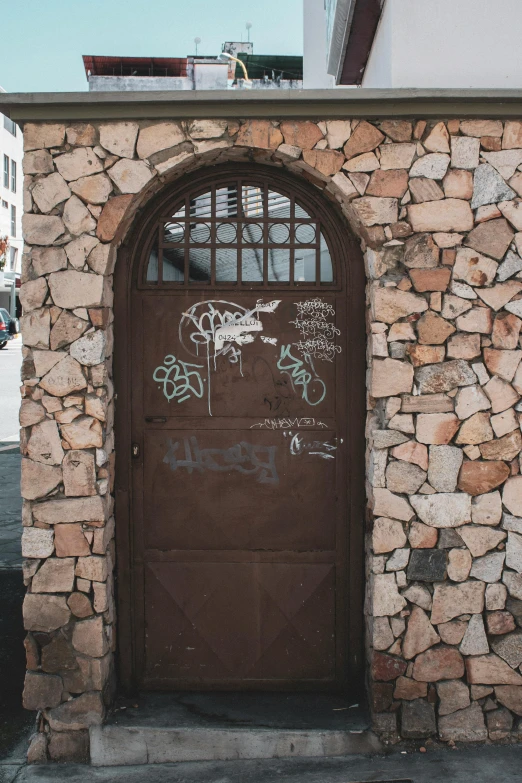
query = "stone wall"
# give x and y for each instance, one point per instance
(436, 207)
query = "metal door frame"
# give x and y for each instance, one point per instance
(348, 260)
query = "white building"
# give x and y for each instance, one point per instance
(11, 205)
(215, 72)
(415, 43)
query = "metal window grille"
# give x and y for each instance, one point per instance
(240, 233)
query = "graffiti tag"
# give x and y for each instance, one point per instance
(317, 332)
(245, 458)
(179, 379)
(312, 388)
(284, 423)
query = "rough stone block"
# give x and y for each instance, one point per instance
(71, 289)
(112, 215)
(38, 479)
(453, 695)
(90, 510)
(45, 612)
(37, 543)
(464, 725)
(387, 600)
(477, 478)
(70, 541)
(131, 176)
(447, 215)
(89, 637)
(64, 378)
(79, 713)
(372, 211)
(451, 601)
(417, 719)
(427, 565)
(446, 509)
(439, 663)
(54, 576)
(386, 667)
(81, 162)
(41, 691)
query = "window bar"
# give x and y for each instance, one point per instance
(318, 254)
(186, 242)
(161, 231)
(213, 233)
(239, 230)
(292, 240)
(265, 234)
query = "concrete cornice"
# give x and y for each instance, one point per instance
(334, 103)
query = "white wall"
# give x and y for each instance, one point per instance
(138, 83)
(12, 146)
(447, 43)
(314, 46)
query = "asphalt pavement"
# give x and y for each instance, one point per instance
(15, 722)
(479, 764)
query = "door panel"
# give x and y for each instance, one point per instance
(239, 622)
(239, 489)
(255, 379)
(240, 481)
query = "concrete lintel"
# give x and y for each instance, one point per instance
(331, 103)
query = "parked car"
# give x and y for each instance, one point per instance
(4, 333)
(8, 327)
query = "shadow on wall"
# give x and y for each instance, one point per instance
(15, 722)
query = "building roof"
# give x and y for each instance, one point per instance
(134, 66)
(309, 104)
(261, 65)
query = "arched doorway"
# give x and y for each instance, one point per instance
(240, 438)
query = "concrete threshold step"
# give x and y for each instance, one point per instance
(122, 745)
(179, 727)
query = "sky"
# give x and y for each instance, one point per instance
(43, 40)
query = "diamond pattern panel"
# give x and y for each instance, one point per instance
(231, 621)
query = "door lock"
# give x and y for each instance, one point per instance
(135, 450)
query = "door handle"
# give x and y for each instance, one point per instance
(135, 450)
(155, 419)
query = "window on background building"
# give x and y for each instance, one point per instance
(13, 257)
(5, 205)
(13, 176)
(13, 220)
(6, 171)
(9, 125)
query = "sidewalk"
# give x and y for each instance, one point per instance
(479, 764)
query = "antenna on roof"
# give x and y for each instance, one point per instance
(248, 27)
(197, 41)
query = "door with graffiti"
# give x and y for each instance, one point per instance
(239, 410)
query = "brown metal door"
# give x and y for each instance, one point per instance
(239, 469)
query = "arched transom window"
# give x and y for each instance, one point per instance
(242, 232)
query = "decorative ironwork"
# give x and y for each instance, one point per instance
(239, 232)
